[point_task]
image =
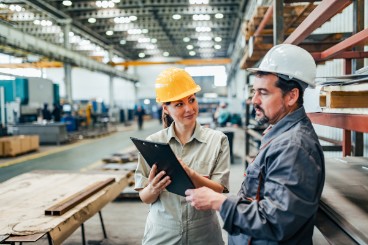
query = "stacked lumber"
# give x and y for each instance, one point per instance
(258, 43)
(122, 157)
(126, 161)
(16, 145)
(345, 94)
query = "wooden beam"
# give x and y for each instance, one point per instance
(346, 99)
(65, 205)
(323, 12)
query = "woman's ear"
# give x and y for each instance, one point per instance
(165, 110)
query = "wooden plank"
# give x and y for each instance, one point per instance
(343, 99)
(322, 100)
(70, 202)
(28, 238)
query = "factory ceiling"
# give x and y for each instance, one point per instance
(130, 30)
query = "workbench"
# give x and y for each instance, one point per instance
(25, 198)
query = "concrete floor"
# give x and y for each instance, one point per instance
(124, 218)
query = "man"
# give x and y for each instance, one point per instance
(278, 200)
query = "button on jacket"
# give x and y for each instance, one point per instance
(291, 164)
(171, 219)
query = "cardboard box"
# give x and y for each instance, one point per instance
(11, 146)
(25, 143)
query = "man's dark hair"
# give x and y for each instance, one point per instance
(286, 85)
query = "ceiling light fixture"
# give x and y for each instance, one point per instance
(204, 38)
(189, 47)
(219, 16)
(105, 4)
(166, 54)
(67, 3)
(122, 42)
(199, 1)
(109, 33)
(133, 18)
(218, 39)
(217, 46)
(201, 17)
(176, 16)
(186, 39)
(203, 29)
(92, 20)
(192, 53)
(141, 55)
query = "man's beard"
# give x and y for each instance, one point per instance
(263, 119)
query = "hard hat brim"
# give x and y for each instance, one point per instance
(182, 95)
(291, 77)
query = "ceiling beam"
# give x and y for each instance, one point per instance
(178, 62)
(19, 39)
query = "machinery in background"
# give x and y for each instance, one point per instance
(25, 97)
(22, 100)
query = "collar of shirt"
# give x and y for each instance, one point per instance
(284, 124)
(198, 135)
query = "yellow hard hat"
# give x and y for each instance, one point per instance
(174, 84)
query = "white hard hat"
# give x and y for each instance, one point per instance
(291, 61)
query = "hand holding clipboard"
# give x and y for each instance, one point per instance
(162, 155)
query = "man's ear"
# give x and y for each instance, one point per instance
(293, 96)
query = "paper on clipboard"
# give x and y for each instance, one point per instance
(165, 159)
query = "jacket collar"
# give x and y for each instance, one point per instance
(198, 134)
(285, 124)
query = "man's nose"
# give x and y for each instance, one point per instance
(255, 99)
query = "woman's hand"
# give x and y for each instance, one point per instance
(190, 172)
(157, 182)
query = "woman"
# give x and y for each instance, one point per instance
(204, 154)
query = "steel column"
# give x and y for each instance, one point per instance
(278, 21)
(358, 25)
(67, 65)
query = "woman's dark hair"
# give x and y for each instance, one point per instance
(166, 118)
(286, 86)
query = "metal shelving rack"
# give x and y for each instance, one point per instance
(330, 222)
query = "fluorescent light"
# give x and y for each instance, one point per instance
(92, 20)
(67, 3)
(176, 16)
(218, 39)
(219, 16)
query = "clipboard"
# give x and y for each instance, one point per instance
(165, 159)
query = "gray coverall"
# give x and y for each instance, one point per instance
(291, 164)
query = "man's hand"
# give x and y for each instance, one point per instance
(204, 198)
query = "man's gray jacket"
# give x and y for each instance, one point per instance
(290, 171)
